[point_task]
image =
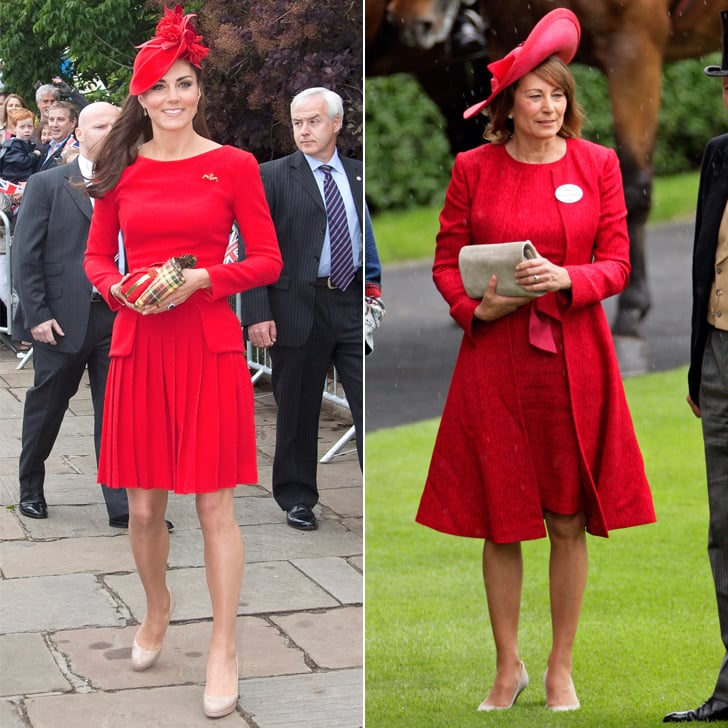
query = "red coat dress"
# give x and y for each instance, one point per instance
(178, 413)
(529, 426)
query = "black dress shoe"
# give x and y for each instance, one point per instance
(711, 710)
(123, 522)
(34, 508)
(301, 517)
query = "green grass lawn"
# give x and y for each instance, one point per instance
(410, 234)
(648, 639)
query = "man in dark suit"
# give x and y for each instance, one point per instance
(62, 118)
(311, 317)
(708, 374)
(69, 324)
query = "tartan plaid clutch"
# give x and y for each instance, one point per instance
(155, 283)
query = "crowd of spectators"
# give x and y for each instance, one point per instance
(32, 138)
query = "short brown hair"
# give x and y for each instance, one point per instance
(72, 113)
(500, 128)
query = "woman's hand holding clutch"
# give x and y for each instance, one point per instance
(540, 275)
(494, 306)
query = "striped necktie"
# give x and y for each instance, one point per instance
(342, 263)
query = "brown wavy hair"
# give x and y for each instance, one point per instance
(499, 128)
(120, 147)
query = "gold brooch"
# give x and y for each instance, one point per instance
(211, 177)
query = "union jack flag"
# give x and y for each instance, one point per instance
(9, 188)
(231, 252)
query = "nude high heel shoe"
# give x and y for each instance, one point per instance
(219, 707)
(142, 659)
(522, 685)
(562, 708)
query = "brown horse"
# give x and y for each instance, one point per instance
(627, 41)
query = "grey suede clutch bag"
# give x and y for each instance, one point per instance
(478, 263)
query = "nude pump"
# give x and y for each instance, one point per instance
(142, 659)
(219, 707)
(522, 685)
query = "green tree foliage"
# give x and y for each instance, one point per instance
(261, 54)
(89, 43)
(407, 155)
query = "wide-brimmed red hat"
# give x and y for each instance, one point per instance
(175, 38)
(556, 34)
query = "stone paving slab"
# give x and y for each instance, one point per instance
(9, 406)
(332, 639)
(335, 574)
(44, 603)
(319, 700)
(10, 716)
(343, 501)
(40, 672)
(69, 521)
(100, 657)
(279, 541)
(10, 528)
(168, 707)
(64, 485)
(65, 556)
(274, 586)
(9, 465)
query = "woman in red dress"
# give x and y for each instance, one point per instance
(536, 426)
(179, 404)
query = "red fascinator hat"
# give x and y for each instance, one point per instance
(175, 38)
(556, 34)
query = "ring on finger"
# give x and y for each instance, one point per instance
(535, 278)
(170, 307)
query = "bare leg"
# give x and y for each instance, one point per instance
(567, 574)
(224, 559)
(503, 579)
(149, 540)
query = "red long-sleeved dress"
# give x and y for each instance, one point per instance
(178, 413)
(530, 426)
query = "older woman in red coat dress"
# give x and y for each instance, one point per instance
(536, 426)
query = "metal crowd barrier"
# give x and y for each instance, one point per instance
(331, 393)
(6, 281)
(10, 298)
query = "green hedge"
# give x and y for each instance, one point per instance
(407, 154)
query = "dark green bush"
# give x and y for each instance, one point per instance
(408, 159)
(406, 151)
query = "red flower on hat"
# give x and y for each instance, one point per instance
(176, 29)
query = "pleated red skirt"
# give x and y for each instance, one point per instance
(177, 416)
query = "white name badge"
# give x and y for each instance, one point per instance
(569, 193)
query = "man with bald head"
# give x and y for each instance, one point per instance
(68, 322)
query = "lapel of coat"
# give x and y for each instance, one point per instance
(77, 193)
(303, 175)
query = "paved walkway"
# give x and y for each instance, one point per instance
(70, 600)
